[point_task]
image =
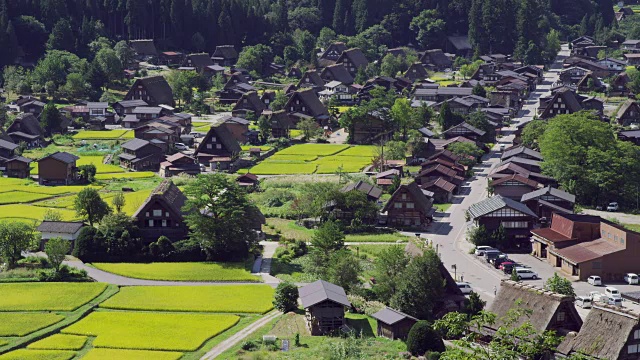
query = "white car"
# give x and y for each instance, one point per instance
(613, 206)
(524, 273)
(181, 146)
(480, 250)
(502, 147)
(594, 280)
(612, 292)
(631, 279)
(464, 287)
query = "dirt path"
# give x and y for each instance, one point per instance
(239, 336)
(623, 218)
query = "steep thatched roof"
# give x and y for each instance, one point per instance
(604, 333)
(544, 304)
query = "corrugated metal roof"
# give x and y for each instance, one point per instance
(320, 291)
(391, 316)
(497, 202)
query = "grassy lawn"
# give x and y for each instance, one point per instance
(59, 342)
(220, 298)
(196, 271)
(47, 296)
(109, 354)
(632, 227)
(19, 197)
(24, 354)
(151, 331)
(290, 230)
(372, 251)
(292, 271)
(21, 324)
(313, 149)
(442, 207)
(100, 167)
(394, 237)
(103, 135)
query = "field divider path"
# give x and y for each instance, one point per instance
(110, 278)
(239, 336)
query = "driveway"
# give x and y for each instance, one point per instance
(338, 137)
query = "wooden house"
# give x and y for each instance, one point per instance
(629, 113)
(143, 49)
(139, 155)
(436, 60)
(154, 90)
(65, 230)
(249, 104)
(324, 305)
(509, 168)
(464, 129)
(608, 332)
(306, 104)
(280, 124)
(237, 126)
(161, 214)
(550, 311)
(393, 324)
(248, 180)
(416, 72)
(439, 171)
(618, 85)
(338, 73)
(528, 164)
(225, 55)
(294, 72)
(373, 193)
(125, 107)
(17, 167)
(218, 148)
(442, 190)
(26, 128)
(311, 80)
(33, 107)
(58, 168)
(516, 219)
(549, 200)
(331, 54)
(177, 164)
(375, 126)
(7, 149)
(353, 60)
(408, 207)
(514, 186)
(171, 58)
(521, 151)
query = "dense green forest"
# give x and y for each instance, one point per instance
(506, 26)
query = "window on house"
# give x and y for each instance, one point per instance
(397, 205)
(146, 214)
(561, 316)
(409, 205)
(157, 212)
(218, 146)
(213, 139)
(633, 349)
(166, 213)
(636, 334)
(164, 223)
(150, 223)
(404, 196)
(209, 146)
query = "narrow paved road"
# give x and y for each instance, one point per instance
(448, 233)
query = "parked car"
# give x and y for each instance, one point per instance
(612, 206)
(502, 146)
(584, 302)
(507, 266)
(464, 287)
(491, 254)
(631, 279)
(524, 274)
(499, 260)
(595, 296)
(181, 146)
(612, 292)
(613, 301)
(594, 280)
(481, 249)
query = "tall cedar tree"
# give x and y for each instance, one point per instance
(220, 217)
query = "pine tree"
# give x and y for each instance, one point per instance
(282, 16)
(360, 12)
(339, 16)
(61, 37)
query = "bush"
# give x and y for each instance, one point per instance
(187, 250)
(423, 338)
(286, 297)
(34, 261)
(249, 346)
(363, 306)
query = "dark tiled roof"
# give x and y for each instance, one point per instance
(135, 144)
(320, 291)
(391, 316)
(497, 202)
(467, 126)
(549, 191)
(519, 178)
(365, 188)
(521, 150)
(440, 183)
(550, 235)
(61, 227)
(7, 145)
(65, 157)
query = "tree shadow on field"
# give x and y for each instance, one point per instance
(361, 326)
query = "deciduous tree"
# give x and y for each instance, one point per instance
(90, 206)
(56, 250)
(15, 237)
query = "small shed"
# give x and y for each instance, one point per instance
(66, 230)
(394, 324)
(324, 305)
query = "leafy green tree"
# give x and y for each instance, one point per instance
(52, 215)
(447, 118)
(15, 237)
(420, 287)
(50, 118)
(479, 236)
(124, 53)
(264, 127)
(532, 132)
(76, 86)
(220, 217)
(279, 102)
(395, 150)
(182, 83)
(559, 285)
(401, 113)
(514, 275)
(466, 149)
(429, 28)
(255, 58)
(474, 304)
(325, 38)
(344, 269)
(423, 338)
(61, 37)
(327, 239)
(110, 64)
(56, 250)
(89, 205)
(87, 173)
(479, 90)
(389, 268)
(118, 201)
(362, 210)
(500, 237)
(286, 297)
(479, 120)
(310, 128)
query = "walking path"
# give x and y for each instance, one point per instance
(239, 336)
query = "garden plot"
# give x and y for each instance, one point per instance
(20, 197)
(111, 354)
(313, 149)
(59, 342)
(101, 168)
(191, 271)
(151, 331)
(47, 296)
(31, 212)
(24, 354)
(103, 135)
(220, 298)
(21, 324)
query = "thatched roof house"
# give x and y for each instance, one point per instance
(608, 333)
(550, 311)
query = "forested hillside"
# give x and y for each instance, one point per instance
(199, 25)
